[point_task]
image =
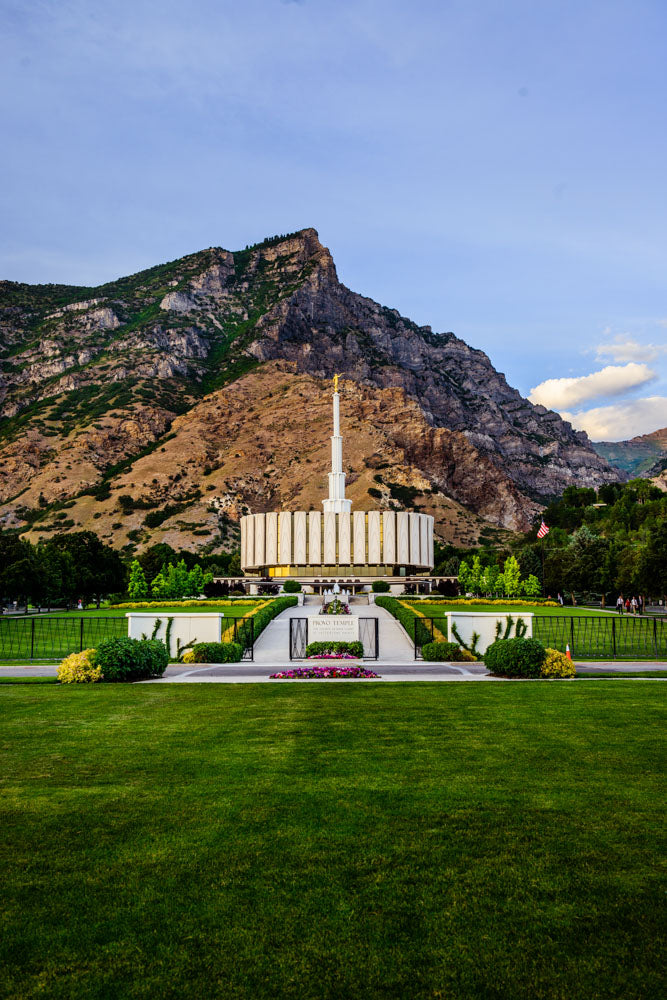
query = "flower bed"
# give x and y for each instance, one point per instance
(315, 673)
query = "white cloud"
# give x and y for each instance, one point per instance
(625, 348)
(557, 393)
(622, 420)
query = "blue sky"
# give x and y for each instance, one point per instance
(494, 169)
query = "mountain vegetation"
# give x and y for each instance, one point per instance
(158, 408)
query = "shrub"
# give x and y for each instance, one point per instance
(334, 648)
(188, 656)
(515, 657)
(556, 664)
(380, 587)
(406, 616)
(447, 651)
(131, 659)
(80, 668)
(217, 652)
(292, 587)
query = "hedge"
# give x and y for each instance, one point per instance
(217, 652)
(131, 659)
(435, 651)
(355, 648)
(406, 616)
(516, 657)
(261, 618)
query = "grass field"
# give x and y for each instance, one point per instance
(590, 634)
(436, 610)
(53, 636)
(393, 841)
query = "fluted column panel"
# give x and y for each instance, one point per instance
(329, 537)
(315, 537)
(374, 536)
(344, 539)
(250, 541)
(414, 538)
(430, 562)
(244, 542)
(403, 537)
(359, 536)
(284, 538)
(388, 537)
(423, 540)
(271, 543)
(299, 537)
(259, 529)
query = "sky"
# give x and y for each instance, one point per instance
(492, 169)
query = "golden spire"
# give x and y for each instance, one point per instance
(335, 380)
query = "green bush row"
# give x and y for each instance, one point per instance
(131, 659)
(355, 648)
(262, 618)
(515, 657)
(449, 651)
(217, 652)
(406, 617)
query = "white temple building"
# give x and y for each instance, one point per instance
(337, 545)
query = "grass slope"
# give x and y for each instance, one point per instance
(422, 841)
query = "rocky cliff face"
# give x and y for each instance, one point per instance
(101, 384)
(645, 455)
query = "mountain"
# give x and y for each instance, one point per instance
(645, 455)
(163, 405)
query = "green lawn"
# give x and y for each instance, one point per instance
(53, 636)
(590, 634)
(436, 610)
(449, 841)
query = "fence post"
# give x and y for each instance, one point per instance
(252, 639)
(655, 637)
(377, 637)
(572, 635)
(80, 635)
(613, 638)
(414, 634)
(32, 638)
(290, 638)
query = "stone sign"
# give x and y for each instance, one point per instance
(336, 628)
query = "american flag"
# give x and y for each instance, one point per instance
(543, 530)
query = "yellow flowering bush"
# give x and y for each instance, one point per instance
(80, 668)
(188, 656)
(520, 602)
(166, 603)
(557, 664)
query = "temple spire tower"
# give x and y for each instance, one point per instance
(336, 502)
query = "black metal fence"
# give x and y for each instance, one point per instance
(244, 633)
(40, 637)
(598, 637)
(426, 630)
(594, 637)
(368, 636)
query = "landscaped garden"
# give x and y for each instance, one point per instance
(456, 841)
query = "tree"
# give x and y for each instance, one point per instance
(490, 579)
(198, 580)
(476, 574)
(531, 586)
(512, 576)
(465, 577)
(98, 570)
(137, 587)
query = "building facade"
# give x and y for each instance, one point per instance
(337, 544)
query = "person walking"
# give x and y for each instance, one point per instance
(619, 604)
(633, 605)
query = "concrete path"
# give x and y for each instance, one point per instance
(272, 647)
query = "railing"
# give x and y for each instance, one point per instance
(40, 637)
(423, 631)
(244, 633)
(368, 636)
(598, 637)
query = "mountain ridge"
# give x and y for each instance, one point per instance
(92, 385)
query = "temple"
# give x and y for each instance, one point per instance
(337, 545)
